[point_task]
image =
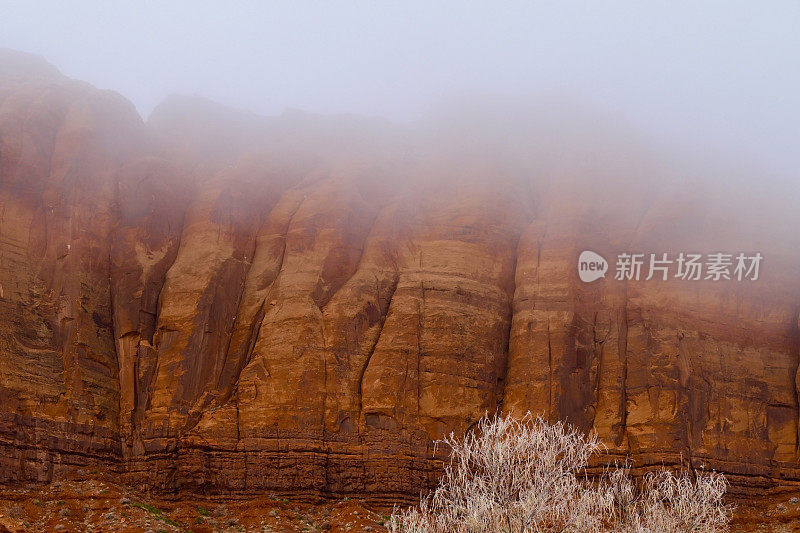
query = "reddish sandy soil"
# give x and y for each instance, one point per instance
(779, 513)
(95, 503)
(98, 504)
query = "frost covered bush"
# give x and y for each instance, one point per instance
(525, 475)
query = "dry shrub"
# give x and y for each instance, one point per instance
(525, 475)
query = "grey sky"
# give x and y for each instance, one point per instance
(718, 74)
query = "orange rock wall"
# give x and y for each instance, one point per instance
(308, 306)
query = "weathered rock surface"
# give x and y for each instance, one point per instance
(60, 143)
(220, 302)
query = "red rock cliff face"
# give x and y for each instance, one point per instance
(60, 142)
(225, 303)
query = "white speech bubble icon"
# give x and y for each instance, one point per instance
(591, 266)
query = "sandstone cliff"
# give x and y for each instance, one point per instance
(219, 302)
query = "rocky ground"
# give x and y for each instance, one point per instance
(777, 513)
(94, 502)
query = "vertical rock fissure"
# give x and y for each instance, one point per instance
(371, 351)
(622, 349)
(598, 349)
(796, 374)
(420, 322)
(687, 388)
(356, 263)
(549, 374)
(503, 370)
(238, 307)
(227, 390)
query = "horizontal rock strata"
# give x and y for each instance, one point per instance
(219, 302)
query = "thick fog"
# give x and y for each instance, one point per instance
(720, 76)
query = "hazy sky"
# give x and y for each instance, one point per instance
(708, 73)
